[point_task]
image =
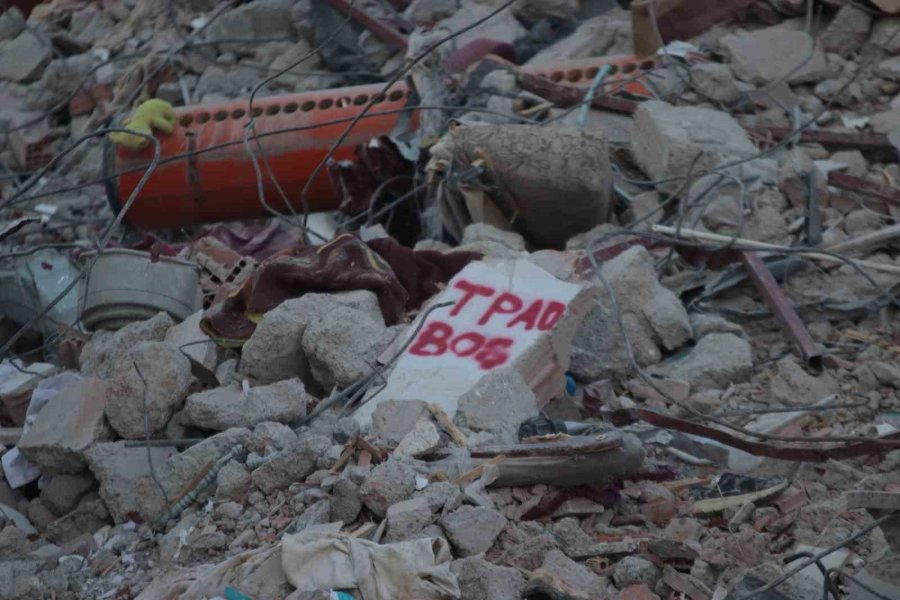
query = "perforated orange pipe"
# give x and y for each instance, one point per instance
(206, 175)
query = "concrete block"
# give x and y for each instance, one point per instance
(473, 530)
(23, 58)
(718, 360)
(191, 340)
(167, 373)
(67, 426)
(224, 407)
(507, 314)
(407, 518)
(99, 354)
(775, 53)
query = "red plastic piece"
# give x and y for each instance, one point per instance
(206, 175)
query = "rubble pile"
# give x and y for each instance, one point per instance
(474, 299)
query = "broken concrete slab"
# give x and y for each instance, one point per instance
(422, 439)
(607, 34)
(632, 276)
(345, 502)
(123, 473)
(634, 569)
(229, 406)
(343, 345)
(23, 58)
(774, 54)
(483, 232)
(482, 580)
(717, 361)
(575, 575)
(884, 35)
(498, 403)
(508, 314)
(98, 357)
(390, 482)
(90, 515)
(12, 22)
(63, 492)
(792, 386)
(669, 141)
(392, 420)
(191, 340)
(472, 530)
(67, 426)
(270, 437)
(407, 518)
(233, 482)
(715, 81)
(274, 351)
(285, 467)
(261, 19)
(847, 32)
(167, 373)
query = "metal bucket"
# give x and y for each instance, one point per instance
(125, 286)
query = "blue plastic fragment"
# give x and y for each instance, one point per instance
(570, 385)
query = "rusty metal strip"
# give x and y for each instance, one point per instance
(565, 95)
(794, 452)
(874, 143)
(864, 186)
(781, 307)
(570, 447)
(391, 29)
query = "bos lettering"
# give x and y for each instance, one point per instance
(510, 310)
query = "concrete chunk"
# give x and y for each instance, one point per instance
(573, 574)
(718, 360)
(390, 482)
(423, 439)
(274, 351)
(667, 140)
(508, 315)
(847, 32)
(62, 493)
(775, 53)
(191, 340)
(67, 426)
(23, 58)
(473, 530)
(343, 345)
(124, 476)
(715, 81)
(167, 373)
(481, 580)
(407, 518)
(393, 419)
(99, 354)
(286, 467)
(498, 403)
(228, 406)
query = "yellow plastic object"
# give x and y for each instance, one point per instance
(152, 114)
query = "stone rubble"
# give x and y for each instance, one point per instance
(175, 457)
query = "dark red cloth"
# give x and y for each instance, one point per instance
(401, 279)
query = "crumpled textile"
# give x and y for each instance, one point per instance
(401, 279)
(256, 573)
(413, 570)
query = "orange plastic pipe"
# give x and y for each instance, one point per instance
(205, 174)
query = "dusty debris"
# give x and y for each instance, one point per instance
(670, 263)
